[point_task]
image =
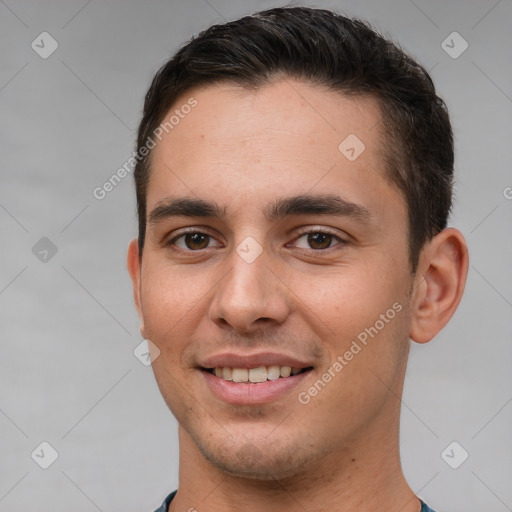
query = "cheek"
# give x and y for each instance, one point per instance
(364, 321)
(169, 303)
(365, 335)
(347, 301)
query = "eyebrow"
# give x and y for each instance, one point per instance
(323, 204)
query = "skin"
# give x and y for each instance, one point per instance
(245, 150)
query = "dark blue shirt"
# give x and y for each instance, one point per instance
(167, 502)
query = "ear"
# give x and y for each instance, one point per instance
(439, 284)
(133, 264)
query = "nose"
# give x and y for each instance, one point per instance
(251, 295)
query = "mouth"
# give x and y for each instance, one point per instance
(253, 378)
(253, 386)
(255, 375)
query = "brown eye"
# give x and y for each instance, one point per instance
(191, 241)
(196, 241)
(319, 240)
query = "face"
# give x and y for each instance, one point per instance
(275, 252)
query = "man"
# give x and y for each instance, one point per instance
(293, 185)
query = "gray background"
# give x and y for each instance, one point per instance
(68, 374)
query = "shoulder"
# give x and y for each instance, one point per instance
(165, 505)
(424, 508)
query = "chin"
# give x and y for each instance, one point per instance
(259, 460)
(262, 470)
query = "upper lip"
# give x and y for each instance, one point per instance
(234, 360)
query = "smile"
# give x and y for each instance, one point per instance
(255, 375)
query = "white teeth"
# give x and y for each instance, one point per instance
(240, 374)
(285, 371)
(260, 374)
(273, 372)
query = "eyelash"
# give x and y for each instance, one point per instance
(171, 243)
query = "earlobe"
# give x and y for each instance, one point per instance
(133, 264)
(439, 285)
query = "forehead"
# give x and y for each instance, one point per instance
(255, 145)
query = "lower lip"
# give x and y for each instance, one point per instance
(241, 393)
